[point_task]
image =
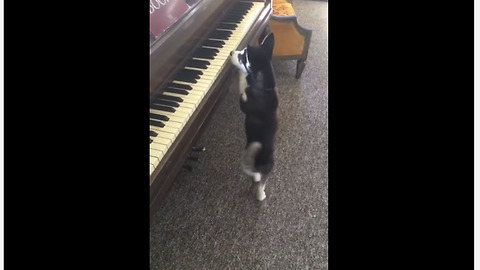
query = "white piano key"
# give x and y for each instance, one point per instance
(155, 160)
(165, 129)
(165, 140)
(152, 168)
(156, 156)
(158, 142)
(166, 135)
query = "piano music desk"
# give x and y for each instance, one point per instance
(291, 39)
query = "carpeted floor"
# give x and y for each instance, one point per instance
(211, 220)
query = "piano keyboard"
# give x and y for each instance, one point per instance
(170, 111)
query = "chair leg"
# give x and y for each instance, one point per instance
(300, 67)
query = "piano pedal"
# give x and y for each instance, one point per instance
(198, 149)
(192, 158)
(188, 167)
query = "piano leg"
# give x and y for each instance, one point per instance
(198, 149)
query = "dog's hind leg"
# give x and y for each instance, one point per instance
(264, 169)
(248, 161)
(261, 188)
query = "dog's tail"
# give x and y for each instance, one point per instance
(248, 162)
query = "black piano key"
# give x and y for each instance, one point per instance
(162, 108)
(229, 20)
(223, 32)
(210, 51)
(166, 102)
(156, 123)
(243, 4)
(179, 86)
(214, 43)
(159, 117)
(238, 11)
(151, 140)
(237, 16)
(210, 57)
(198, 72)
(228, 26)
(218, 36)
(213, 50)
(197, 63)
(190, 72)
(205, 53)
(177, 99)
(184, 78)
(242, 10)
(176, 91)
(232, 19)
(153, 133)
(223, 35)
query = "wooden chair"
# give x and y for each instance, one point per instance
(291, 39)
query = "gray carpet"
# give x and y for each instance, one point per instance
(211, 220)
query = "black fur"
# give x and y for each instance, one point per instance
(260, 106)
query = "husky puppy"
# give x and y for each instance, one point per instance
(259, 102)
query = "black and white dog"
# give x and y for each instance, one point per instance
(259, 102)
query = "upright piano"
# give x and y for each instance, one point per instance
(189, 74)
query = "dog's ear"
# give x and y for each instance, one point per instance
(268, 43)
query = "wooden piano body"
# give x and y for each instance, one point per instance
(171, 55)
